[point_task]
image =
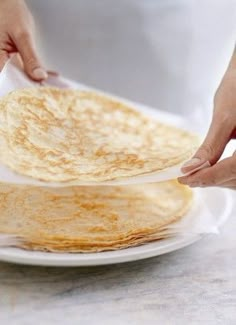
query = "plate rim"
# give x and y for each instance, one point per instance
(14, 255)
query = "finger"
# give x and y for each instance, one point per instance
(214, 144)
(3, 58)
(26, 47)
(222, 172)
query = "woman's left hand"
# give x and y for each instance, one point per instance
(222, 130)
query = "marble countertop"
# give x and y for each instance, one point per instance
(195, 285)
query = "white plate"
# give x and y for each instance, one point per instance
(220, 203)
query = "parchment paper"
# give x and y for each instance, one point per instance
(12, 78)
(198, 220)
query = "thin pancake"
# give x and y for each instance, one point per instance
(79, 136)
(78, 219)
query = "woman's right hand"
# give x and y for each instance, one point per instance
(222, 130)
(16, 35)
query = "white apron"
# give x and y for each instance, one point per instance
(170, 54)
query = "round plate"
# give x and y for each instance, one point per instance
(220, 203)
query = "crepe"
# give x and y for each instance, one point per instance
(91, 219)
(72, 136)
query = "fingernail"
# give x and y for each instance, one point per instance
(40, 74)
(192, 162)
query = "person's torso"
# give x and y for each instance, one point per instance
(170, 54)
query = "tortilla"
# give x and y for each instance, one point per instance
(71, 136)
(91, 219)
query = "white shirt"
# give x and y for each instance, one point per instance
(170, 54)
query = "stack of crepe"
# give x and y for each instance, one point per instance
(72, 137)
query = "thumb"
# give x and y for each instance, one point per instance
(33, 67)
(210, 151)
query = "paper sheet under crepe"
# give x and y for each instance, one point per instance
(12, 78)
(199, 220)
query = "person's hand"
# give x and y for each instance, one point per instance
(222, 130)
(16, 35)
